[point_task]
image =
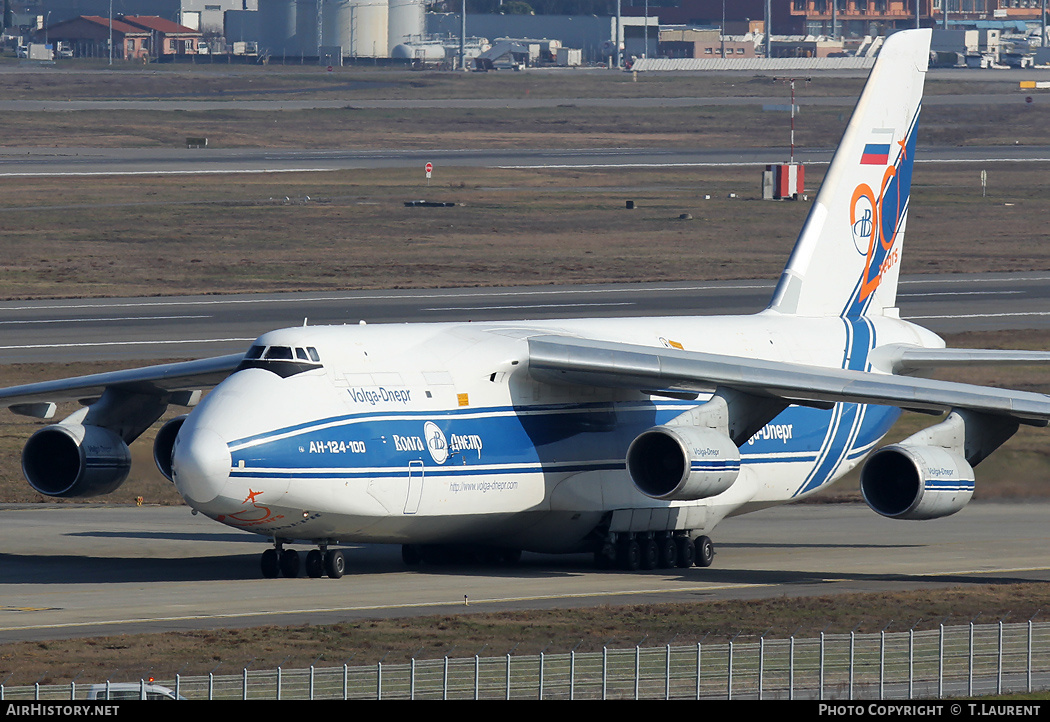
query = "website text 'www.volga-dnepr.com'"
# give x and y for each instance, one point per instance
(39, 709)
(457, 486)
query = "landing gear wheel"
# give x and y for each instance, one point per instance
(290, 563)
(705, 551)
(334, 563)
(314, 564)
(650, 553)
(668, 553)
(628, 555)
(686, 552)
(271, 564)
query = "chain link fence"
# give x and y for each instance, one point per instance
(950, 661)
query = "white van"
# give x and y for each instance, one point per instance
(130, 690)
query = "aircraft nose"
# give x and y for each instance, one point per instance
(200, 464)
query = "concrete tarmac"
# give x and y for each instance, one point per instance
(74, 570)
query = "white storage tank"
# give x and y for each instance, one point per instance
(368, 29)
(306, 27)
(407, 22)
(424, 52)
(277, 25)
(336, 24)
(359, 27)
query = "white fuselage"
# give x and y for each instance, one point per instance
(431, 433)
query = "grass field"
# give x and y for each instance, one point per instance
(169, 235)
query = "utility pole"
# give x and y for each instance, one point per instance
(619, 31)
(645, 52)
(320, 31)
(769, 30)
(722, 34)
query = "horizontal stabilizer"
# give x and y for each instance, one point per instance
(901, 359)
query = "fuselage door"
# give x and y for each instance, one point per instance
(415, 486)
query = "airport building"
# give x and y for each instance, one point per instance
(134, 37)
(855, 18)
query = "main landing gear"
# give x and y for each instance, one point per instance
(654, 550)
(319, 562)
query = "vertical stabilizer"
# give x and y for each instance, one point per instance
(847, 258)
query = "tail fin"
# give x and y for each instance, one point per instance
(847, 257)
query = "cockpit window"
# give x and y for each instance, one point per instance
(284, 361)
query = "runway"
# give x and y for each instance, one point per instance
(79, 162)
(76, 571)
(136, 329)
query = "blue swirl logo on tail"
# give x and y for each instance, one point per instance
(876, 216)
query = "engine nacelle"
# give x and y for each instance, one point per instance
(74, 460)
(165, 443)
(916, 482)
(683, 463)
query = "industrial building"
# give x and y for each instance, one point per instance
(331, 31)
(134, 37)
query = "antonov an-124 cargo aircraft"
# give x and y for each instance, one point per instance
(630, 438)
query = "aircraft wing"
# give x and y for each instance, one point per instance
(38, 399)
(565, 360)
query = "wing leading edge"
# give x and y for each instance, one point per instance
(566, 360)
(37, 399)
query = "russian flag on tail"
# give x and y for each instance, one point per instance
(878, 152)
(875, 154)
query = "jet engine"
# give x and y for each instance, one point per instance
(916, 482)
(682, 463)
(164, 444)
(71, 460)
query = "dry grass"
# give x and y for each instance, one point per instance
(172, 235)
(211, 81)
(565, 126)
